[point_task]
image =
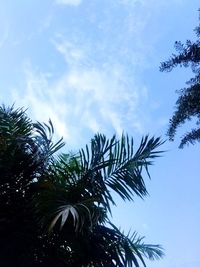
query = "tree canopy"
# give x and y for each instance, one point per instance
(54, 207)
(188, 103)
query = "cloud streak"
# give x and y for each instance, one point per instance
(69, 2)
(83, 101)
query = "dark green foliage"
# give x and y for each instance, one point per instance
(188, 103)
(54, 209)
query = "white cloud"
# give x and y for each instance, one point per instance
(94, 99)
(71, 53)
(69, 2)
(4, 38)
(41, 102)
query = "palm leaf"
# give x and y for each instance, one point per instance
(110, 247)
(114, 164)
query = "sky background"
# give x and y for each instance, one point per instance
(93, 66)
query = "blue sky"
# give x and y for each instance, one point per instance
(93, 66)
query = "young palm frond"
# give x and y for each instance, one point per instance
(59, 206)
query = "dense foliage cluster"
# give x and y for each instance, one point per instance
(188, 103)
(54, 208)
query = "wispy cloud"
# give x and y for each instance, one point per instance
(83, 100)
(4, 38)
(72, 53)
(43, 104)
(69, 2)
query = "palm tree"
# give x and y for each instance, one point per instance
(54, 208)
(25, 155)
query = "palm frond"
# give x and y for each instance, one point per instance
(118, 250)
(63, 213)
(114, 164)
(14, 122)
(43, 134)
(139, 248)
(61, 207)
